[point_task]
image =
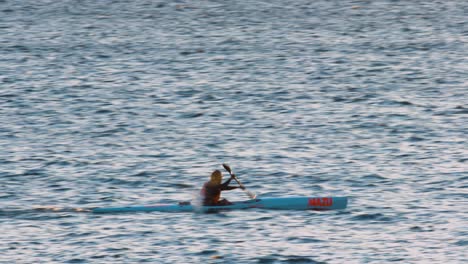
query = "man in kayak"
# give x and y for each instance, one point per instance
(211, 191)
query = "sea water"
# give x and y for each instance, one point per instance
(110, 103)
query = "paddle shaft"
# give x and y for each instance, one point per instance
(240, 184)
(250, 194)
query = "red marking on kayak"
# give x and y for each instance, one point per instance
(324, 201)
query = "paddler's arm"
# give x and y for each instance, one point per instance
(225, 186)
(229, 188)
(226, 183)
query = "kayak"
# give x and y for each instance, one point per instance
(275, 203)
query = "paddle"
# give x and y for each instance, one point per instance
(228, 169)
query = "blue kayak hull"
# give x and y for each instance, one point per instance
(275, 203)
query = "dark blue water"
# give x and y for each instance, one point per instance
(107, 103)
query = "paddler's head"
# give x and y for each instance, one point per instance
(216, 177)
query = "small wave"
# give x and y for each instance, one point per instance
(420, 229)
(287, 259)
(8, 95)
(372, 217)
(302, 240)
(373, 177)
(142, 174)
(462, 243)
(76, 260)
(207, 252)
(181, 185)
(159, 155)
(108, 133)
(123, 182)
(415, 139)
(266, 260)
(300, 259)
(27, 173)
(401, 103)
(265, 218)
(191, 115)
(461, 110)
(103, 111)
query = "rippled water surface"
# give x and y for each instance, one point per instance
(107, 103)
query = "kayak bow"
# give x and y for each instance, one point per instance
(277, 203)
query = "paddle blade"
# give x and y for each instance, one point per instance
(227, 168)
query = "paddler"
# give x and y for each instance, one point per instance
(211, 191)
